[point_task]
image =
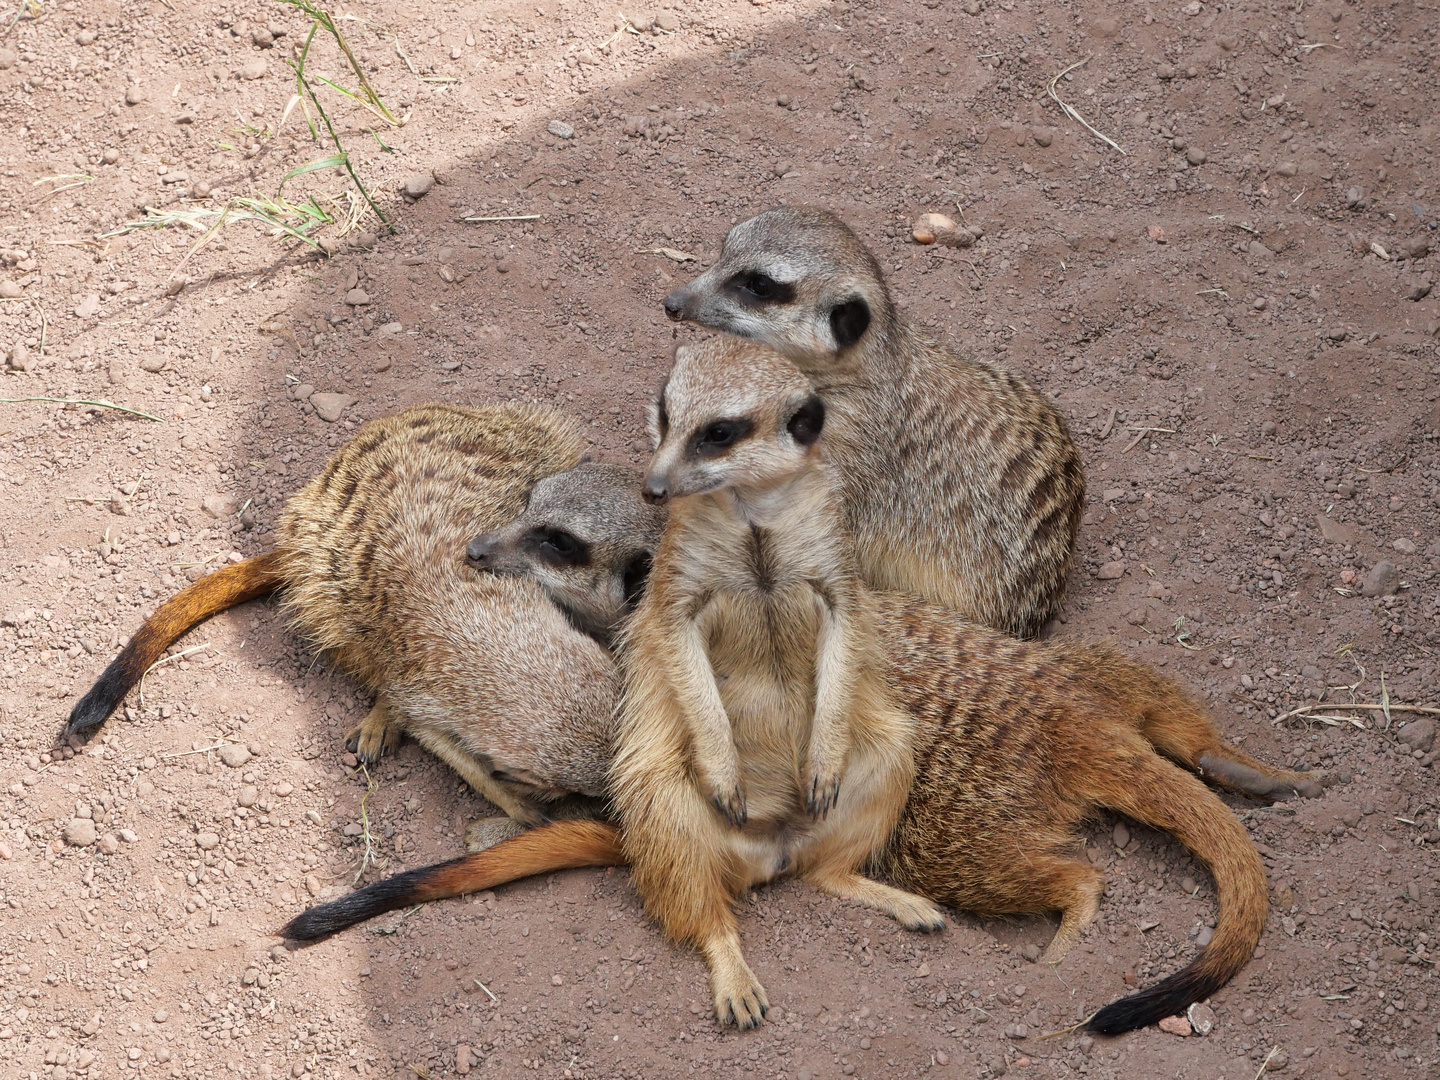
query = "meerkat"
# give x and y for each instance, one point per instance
(1016, 744)
(962, 484)
(506, 679)
(757, 737)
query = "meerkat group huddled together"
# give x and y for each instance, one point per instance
(793, 648)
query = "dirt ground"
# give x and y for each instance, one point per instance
(1234, 313)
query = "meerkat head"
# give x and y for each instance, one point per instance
(796, 279)
(732, 415)
(587, 538)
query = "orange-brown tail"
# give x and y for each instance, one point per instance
(1154, 792)
(563, 845)
(193, 604)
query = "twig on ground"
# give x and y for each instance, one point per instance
(487, 990)
(1338, 706)
(202, 750)
(1266, 1063)
(367, 857)
(82, 401)
(165, 660)
(504, 217)
(1070, 112)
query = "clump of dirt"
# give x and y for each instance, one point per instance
(1235, 313)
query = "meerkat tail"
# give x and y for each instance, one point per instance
(563, 845)
(1157, 793)
(194, 604)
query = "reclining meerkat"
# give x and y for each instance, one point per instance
(961, 482)
(1016, 744)
(507, 680)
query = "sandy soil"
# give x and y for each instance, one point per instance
(1234, 314)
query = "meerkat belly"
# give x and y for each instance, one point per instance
(762, 650)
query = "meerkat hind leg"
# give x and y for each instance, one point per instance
(486, 832)
(376, 736)
(910, 910)
(1075, 890)
(739, 997)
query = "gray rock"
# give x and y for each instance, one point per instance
(80, 832)
(418, 186)
(1260, 251)
(234, 755)
(1120, 834)
(1201, 1017)
(1418, 734)
(560, 129)
(1355, 198)
(207, 841)
(1382, 580)
(330, 407)
(1111, 571)
(357, 298)
(1196, 156)
(1334, 532)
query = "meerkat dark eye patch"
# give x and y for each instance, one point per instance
(715, 438)
(558, 547)
(637, 573)
(662, 415)
(753, 287)
(849, 321)
(807, 421)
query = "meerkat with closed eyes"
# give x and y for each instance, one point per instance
(961, 482)
(509, 681)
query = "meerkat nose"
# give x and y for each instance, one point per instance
(655, 490)
(675, 304)
(481, 548)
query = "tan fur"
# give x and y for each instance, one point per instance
(757, 737)
(961, 482)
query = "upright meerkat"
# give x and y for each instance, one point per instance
(961, 482)
(757, 736)
(1016, 744)
(505, 679)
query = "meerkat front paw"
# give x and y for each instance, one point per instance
(821, 787)
(739, 997)
(917, 913)
(731, 804)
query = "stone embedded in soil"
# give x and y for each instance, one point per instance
(417, 186)
(80, 832)
(330, 407)
(234, 755)
(1196, 156)
(109, 844)
(249, 796)
(8, 58)
(253, 69)
(1405, 546)
(1201, 1016)
(1418, 734)
(357, 298)
(364, 241)
(10, 290)
(207, 841)
(1335, 532)
(219, 505)
(1111, 571)
(88, 306)
(134, 95)
(560, 129)
(153, 364)
(1382, 580)
(1287, 168)
(21, 358)
(1120, 834)
(1176, 1025)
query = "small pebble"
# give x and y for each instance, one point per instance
(1111, 571)
(1120, 834)
(234, 755)
(1287, 168)
(560, 129)
(207, 841)
(10, 290)
(8, 59)
(109, 844)
(153, 364)
(88, 307)
(86, 37)
(330, 407)
(253, 68)
(357, 297)
(80, 832)
(1176, 1025)
(1355, 198)
(134, 95)
(249, 796)
(1382, 580)
(1195, 156)
(418, 186)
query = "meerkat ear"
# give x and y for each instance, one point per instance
(849, 321)
(806, 423)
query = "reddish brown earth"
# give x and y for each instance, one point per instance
(1236, 343)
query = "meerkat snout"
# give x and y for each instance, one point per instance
(482, 549)
(655, 490)
(675, 304)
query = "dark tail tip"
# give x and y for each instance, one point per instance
(401, 890)
(100, 701)
(1151, 1005)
